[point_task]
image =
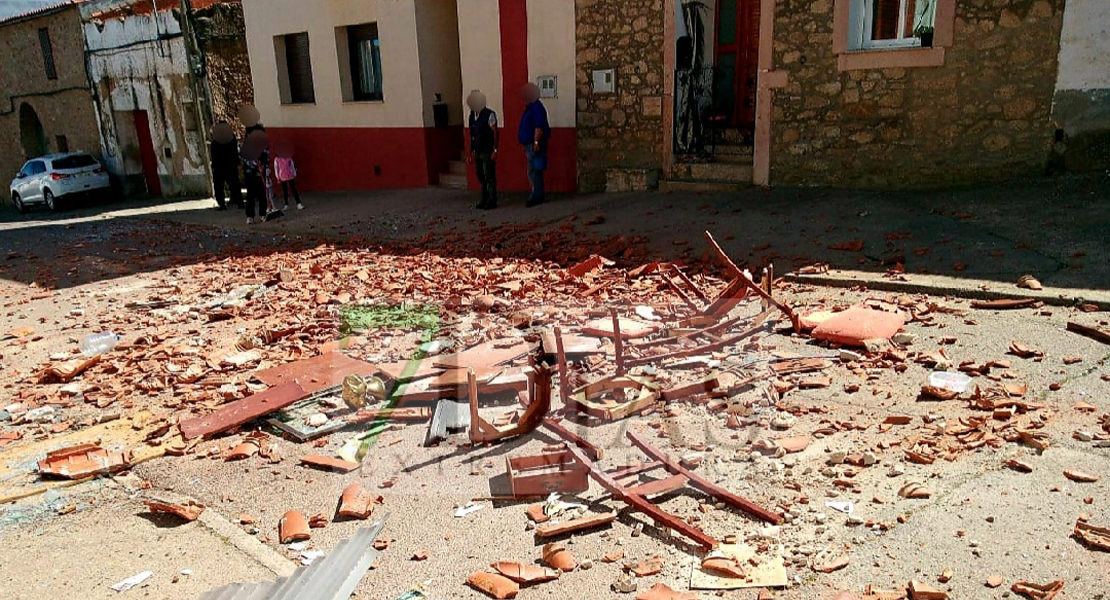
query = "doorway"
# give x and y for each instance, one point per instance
(147, 153)
(31, 133)
(737, 62)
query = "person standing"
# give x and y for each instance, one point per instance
(224, 152)
(534, 134)
(484, 139)
(256, 173)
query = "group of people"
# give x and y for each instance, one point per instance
(258, 169)
(533, 134)
(253, 156)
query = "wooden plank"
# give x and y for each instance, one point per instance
(241, 411)
(712, 347)
(316, 373)
(641, 504)
(693, 286)
(709, 488)
(728, 299)
(1099, 335)
(569, 436)
(635, 469)
(579, 524)
(659, 486)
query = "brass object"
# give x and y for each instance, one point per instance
(354, 391)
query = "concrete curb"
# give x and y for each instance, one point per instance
(940, 285)
(246, 543)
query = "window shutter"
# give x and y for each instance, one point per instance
(299, 61)
(47, 53)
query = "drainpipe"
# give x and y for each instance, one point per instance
(198, 81)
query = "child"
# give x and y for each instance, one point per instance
(287, 173)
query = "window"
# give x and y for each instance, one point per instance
(62, 143)
(75, 161)
(36, 168)
(47, 53)
(878, 24)
(360, 62)
(294, 62)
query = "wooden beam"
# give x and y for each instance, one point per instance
(751, 285)
(641, 504)
(700, 483)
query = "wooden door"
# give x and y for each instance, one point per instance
(737, 61)
(147, 153)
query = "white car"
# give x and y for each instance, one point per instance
(49, 179)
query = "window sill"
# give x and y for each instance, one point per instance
(364, 102)
(887, 58)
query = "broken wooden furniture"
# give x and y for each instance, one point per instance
(613, 398)
(539, 394)
(742, 280)
(636, 496)
(707, 340)
(546, 473)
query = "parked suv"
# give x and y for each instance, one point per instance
(50, 179)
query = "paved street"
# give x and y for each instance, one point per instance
(70, 274)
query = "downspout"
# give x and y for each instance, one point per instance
(198, 80)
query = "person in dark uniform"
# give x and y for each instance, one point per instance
(534, 134)
(484, 139)
(224, 152)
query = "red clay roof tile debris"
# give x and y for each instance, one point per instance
(356, 503)
(83, 460)
(293, 527)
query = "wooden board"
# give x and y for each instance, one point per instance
(241, 411)
(316, 373)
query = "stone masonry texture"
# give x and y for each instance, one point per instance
(623, 129)
(64, 105)
(985, 114)
(221, 35)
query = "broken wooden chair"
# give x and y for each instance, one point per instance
(539, 404)
(637, 495)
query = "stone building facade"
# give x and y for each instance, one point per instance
(620, 132)
(983, 113)
(221, 39)
(44, 109)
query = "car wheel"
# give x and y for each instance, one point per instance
(17, 202)
(51, 202)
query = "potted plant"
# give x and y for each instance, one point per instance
(925, 34)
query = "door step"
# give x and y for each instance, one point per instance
(700, 185)
(453, 181)
(716, 171)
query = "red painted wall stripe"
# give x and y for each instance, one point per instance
(512, 172)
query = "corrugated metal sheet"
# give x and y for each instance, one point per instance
(449, 415)
(333, 577)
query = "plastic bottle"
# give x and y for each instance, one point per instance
(98, 343)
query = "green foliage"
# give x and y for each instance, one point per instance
(409, 317)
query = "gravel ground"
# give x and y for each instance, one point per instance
(981, 520)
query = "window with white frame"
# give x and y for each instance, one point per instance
(889, 24)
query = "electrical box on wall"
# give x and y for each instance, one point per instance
(605, 81)
(549, 86)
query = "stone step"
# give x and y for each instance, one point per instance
(699, 185)
(732, 150)
(457, 167)
(738, 172)
(453, 181)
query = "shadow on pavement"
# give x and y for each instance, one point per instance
(1051, 228)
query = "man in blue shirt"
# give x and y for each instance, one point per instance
(534, 134)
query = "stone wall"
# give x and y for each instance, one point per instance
(984, 114)
(221, 36)
(63, 106)
(623, 129)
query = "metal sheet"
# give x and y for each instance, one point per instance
(333, 577)
(449, 415)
